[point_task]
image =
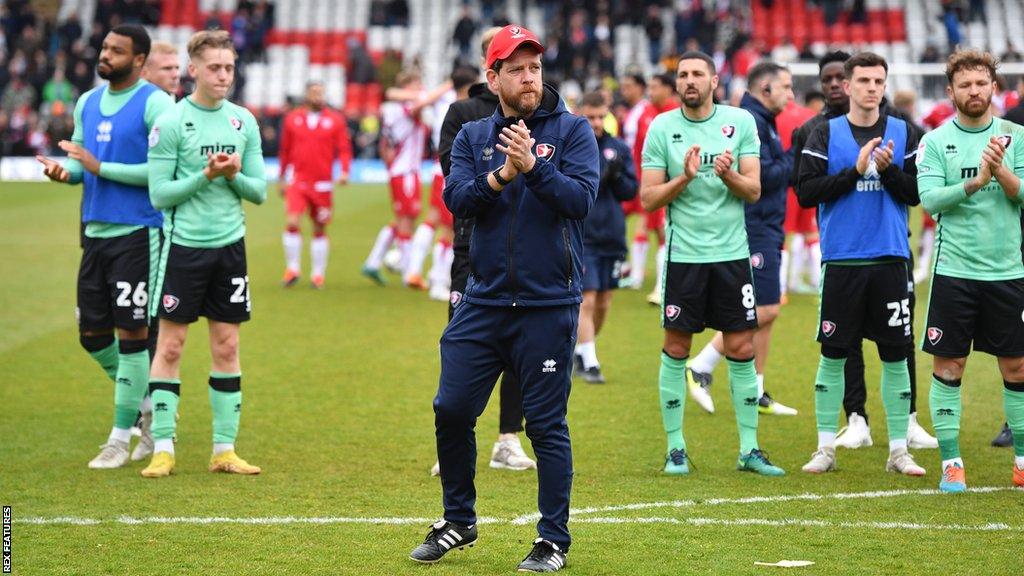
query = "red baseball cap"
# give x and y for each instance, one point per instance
(507, 40)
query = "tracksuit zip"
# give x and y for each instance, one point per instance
(568, 255)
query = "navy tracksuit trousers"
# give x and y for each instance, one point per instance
(537, 343)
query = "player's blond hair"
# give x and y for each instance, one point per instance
(160, 47)
(210, 39)
(970, 60)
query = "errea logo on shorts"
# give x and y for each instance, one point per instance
(549, 365)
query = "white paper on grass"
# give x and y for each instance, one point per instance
(786, 563)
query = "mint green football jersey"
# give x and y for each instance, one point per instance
(978, 237)
(200, 213)
(706, 221)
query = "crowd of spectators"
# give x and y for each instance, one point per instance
(45, 65)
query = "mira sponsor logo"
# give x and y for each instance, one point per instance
(208, 149)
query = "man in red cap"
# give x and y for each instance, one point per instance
(528, 175)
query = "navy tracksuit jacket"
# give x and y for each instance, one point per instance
(521, 304)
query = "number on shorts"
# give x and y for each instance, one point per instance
(241, 290)
(748, 296)
(899, 308)
(139, 297)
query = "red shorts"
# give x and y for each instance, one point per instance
(406, 195)
(633, 206)
(799, 220)
(437, 200)
(927, 222)
(656, 219)
(317, 198)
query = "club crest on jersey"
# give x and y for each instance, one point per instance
(545, 151)
(828, 328)
(934, 335)
(154, 136)
(728, 130)
(757, 260)
(672, 311)
(1005, 140)
(609, 153)
(455, 297)
(236, 123)
(170, 303)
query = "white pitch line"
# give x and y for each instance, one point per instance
(574, 514)
(533, 517)
(991, 527)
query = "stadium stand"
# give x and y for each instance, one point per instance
(356, 46)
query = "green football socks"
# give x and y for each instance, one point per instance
(1013, 403)
(164, 394)
(226, 404)
(896, 398)
(829, 387)
(671, 394)
(743, 388)
(131, 383)
(944, 399)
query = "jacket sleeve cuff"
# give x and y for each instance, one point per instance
(484, 189)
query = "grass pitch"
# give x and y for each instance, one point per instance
(338, 386)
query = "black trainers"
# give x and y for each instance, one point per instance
(577, 364)
(545, 557)
(593, 375)
(1005, 437)
(443, 536)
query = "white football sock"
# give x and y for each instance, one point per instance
(927, 244)
(784, 273)
(706, 360)
(797, 259)
(957, 460)
(659, 270)
(814, 266)
(147, 405)
(380, 248)
(438, 275)
(120, 434)
(638, 262)
(826, 439)
(588, 351)
(896, 444)
(163, 446)
(760, 385)
(319, 249)
(404, 248)
(418, 250)
(220, 448)
(292, 250)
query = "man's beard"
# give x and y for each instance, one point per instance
(963, 108)
(701, 98)
(116, 74)
(515, 102)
